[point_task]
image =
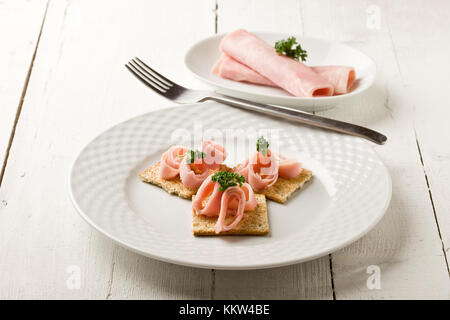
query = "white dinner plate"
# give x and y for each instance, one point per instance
(201, 57)
(347, 196)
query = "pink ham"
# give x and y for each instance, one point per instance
(288, 168)
(250, 199)
(169, 166)
(210, 201)
(193, 178)
(260, 171)
(232, 193)
(210, 192)
(287, 73)
(341, 77)
(215, 154)
(229, 68)
(212, 206)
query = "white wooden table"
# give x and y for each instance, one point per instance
(62, 81)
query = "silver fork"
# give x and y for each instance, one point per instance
(179, 94)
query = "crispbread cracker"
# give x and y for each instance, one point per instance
(255, 223)
(172, 186)
(284, 188)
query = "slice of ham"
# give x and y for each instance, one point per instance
(212, 206)
(229, 68)
(260, 171)
(209, 191)
(212, 202)
(260, 174)
(215, 154)
(341, 77)
(173, 163)
(250, 199)
(192, 175)
(288, 168)
(169, 166)
(230, 194)
(287, 73)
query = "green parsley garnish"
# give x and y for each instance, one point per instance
(227, 179)
(262, 145)
(287, 48)
(194, 154)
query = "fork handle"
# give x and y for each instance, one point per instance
(301, 117)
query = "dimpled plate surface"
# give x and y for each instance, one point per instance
(348, 195)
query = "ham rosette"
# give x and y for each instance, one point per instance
(261, 171)
(233, 193)
(192, 166)
(235, 200)
(264, 167)
(169, 166)
(193, 174)
(215, 154)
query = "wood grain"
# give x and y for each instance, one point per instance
(406, 244)
(17, 50)
(78, 88)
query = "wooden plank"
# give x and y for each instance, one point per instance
(428, 86)
(20, 24)
(78, 88)
(405, 245)
(311, 280)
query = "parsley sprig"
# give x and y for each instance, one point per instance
(287, 48)
(227, 179)
(262, 145)
(194, 154)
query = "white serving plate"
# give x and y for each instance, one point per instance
(201, 57)
(348, 195)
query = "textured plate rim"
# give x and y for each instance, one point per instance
(290, 99)
(133, 248)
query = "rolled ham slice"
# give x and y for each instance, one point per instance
(288, 168)
(215, 154)
(260, 171)
(212, 206)
(193, 178)
(209, 192)
(341, 77)
(230, 194)
(229, 68)
(289, 74)
(210, 201)
(169, 165)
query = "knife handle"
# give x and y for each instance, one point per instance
(301, 117)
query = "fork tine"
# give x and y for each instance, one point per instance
(171, 83)
(149, 75)
(144, 79)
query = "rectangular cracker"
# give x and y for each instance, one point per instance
(255, 223)
(172, 186)
(284, 188)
